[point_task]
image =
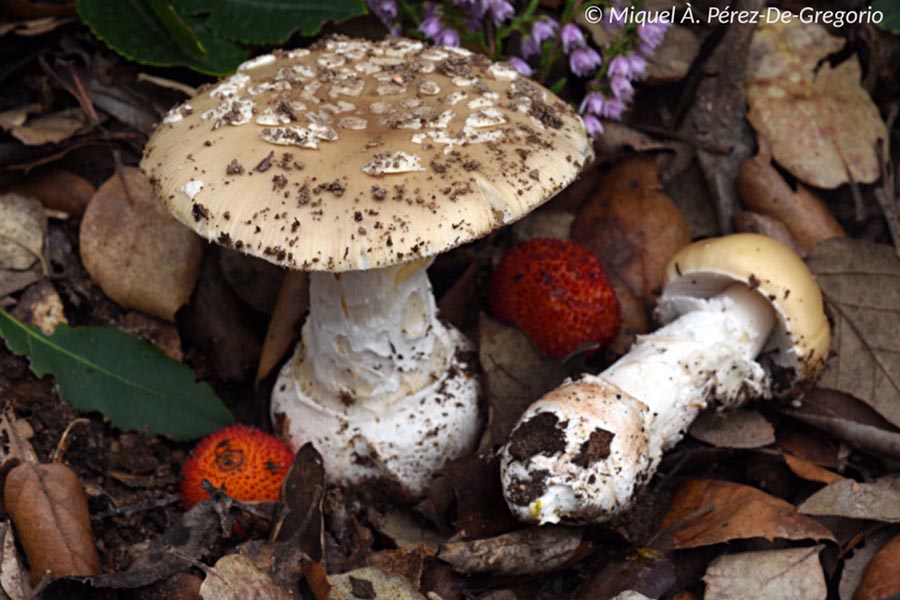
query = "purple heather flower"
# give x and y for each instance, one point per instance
(621, 88)
(447, 37)
(613, 109)
(475, 8)
(593, 125)
(530, 47)
(584, 61)
(501, 10)
(651, 35)
(571, 37)
(544, 29)
(620, 66)
(521, 66)
(638, 65)
(593, 103)
(431, 26)
(386, 11)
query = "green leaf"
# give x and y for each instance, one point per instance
(136, 31)
(268, 21)
(891, 10)
(130, 382)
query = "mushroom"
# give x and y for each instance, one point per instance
(359, 161)
(743, 319)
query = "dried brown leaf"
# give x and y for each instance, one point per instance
(525, 551)
(58, 189)
(845, 418)
(878, 501)
(22, 229)
(300, 520)
(17, 116)
(48, 506)
(135, 250)
(284, 326)
(809, 470)
(515, 374)
(12, 281)
(706, 512)
(216, 322)
(882, 577)
(753, 222)
(674, 57)
(405, 530)
(13, 576)
(763, 189)
(186, 541)
(855, 564)
(632, 226)
(793, 574)
(733, 429)
(255, 281)
(717, 117)
(235, 577)
(50, 128)
(370, 583)
(861, 285)
(821, 124)
(639, 573)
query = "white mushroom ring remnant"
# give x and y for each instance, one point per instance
(744, 319)
(358, 161)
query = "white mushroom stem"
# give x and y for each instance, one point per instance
(638, 407)
(378, 383)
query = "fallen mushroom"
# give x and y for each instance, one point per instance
(744, 319)
(358, 161)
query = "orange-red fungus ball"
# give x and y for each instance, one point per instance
(557, 293)
(249, 464)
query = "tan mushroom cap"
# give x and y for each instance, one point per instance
(358, 154)
(802, 336)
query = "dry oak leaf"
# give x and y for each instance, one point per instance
(793, 574)
(632, 226)
(523, 552)
(882, 577)
(877, 501)
(821, 124)
(737, 428)
(58, 189)
(809, 470)
(763, 189)
(705, 512)
(51, 128)
(13, 575)
(135, 250)
(370, 583)
(22, 229)
(48, 506)
(860, 281)
(235, 577)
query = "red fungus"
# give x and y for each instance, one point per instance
(249, 464)
(558, 294)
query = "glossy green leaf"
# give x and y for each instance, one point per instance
(130, 382)
(268, 21)
(159, 37)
